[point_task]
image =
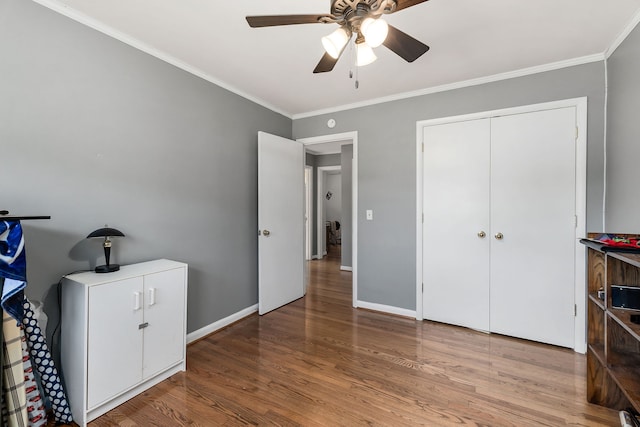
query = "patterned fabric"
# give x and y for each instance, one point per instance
(13, 268)
(35, 405)
(42, 360)
(14, 402)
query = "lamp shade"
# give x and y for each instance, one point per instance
(105, 232)
(365, 55)
(374, 31)
(335, 42)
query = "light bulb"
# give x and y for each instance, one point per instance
(374, 31)
(364, 54)
(335, 42)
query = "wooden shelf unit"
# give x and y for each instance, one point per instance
(613, 341)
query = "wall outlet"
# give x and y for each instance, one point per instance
(369, 215)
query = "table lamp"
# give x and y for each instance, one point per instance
(106, 232)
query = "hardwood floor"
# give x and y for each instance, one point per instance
(319, 362)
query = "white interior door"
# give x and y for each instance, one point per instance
(280, 221)
(456, 223)
(533, 186)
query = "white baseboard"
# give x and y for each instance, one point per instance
(215, 326)
(387, 309)
(346, 268)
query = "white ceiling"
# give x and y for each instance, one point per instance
(469, 40)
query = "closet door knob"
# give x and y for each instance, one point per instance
(266, 233)
(499, 236)
(482, 234)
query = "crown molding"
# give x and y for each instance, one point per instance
(623, 35)
(77, 16)
(458, 85)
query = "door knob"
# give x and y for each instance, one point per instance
(482, 234)
(499, 236)
(266, 233)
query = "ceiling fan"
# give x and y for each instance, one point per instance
(361, 18)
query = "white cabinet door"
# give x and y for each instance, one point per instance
(164, 299)
(114, 353)
(456, 210)
(533, 179)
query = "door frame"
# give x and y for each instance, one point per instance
(308, 210)
(353, 137)
(322, 173)
(580, 338)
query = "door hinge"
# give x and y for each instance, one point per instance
(423, 288)
(575, 310)
(577, 132)
(423, 147)
(575, 221)
(423, 217)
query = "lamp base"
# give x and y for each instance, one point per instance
(107, 268)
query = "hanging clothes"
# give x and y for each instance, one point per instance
(13, 268)
(42, 360)
(14, 407)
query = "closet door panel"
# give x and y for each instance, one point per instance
(456, 209)
(533, 209)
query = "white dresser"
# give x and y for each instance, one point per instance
(122, 333)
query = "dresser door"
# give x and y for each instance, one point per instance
(164, 319)
(114, 340)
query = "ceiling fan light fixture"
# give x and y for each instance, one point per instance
(374, 31)
(335, 42)
(364, 54)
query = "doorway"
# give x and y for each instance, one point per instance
(349, 138)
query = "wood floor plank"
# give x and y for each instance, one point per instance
(319, 362)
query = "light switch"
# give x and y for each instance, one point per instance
(369, 215)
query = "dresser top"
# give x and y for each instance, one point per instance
(126, 272)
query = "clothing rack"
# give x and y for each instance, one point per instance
(4, 216)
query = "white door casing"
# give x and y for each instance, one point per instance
(353, 137)
(280, 221)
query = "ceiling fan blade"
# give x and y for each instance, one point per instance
(403, 4)
(404, 45)
(326, 64)
(275, 20)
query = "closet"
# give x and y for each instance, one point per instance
(499, 223)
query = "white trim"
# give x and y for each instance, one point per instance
(353, 136)
(142, 46)
(321, 171)
(581, 200)
(308, 203)
(346, 268)
(216, 326)
(623, 34)
(458, 85)
(387, 309)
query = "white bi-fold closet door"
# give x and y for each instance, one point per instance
(499, 204)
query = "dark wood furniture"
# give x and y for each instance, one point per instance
(613, 350)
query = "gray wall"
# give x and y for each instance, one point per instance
(623, 138)
(387, 165)
(93, 131)
(346, 157)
